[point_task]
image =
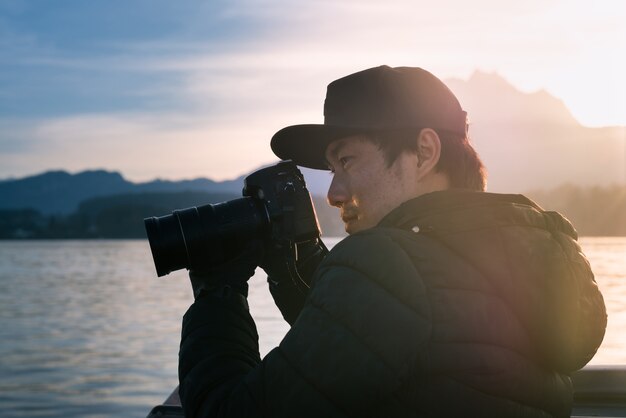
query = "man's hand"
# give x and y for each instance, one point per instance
(289, 274)
(229, 276)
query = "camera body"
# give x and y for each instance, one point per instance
(276, 208)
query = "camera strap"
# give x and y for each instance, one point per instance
(291, 260)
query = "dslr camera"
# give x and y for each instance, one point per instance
(276, 208)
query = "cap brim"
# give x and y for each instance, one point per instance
(306, 145)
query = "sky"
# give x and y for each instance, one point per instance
(185, 89)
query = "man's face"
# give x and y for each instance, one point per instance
(363, 187)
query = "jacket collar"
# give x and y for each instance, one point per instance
(456, 209)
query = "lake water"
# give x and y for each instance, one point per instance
(87, 330)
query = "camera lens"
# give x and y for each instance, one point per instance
(202, 237)
(167, 243)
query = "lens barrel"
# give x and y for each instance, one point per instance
(202, 237)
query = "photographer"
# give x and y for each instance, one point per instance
(444, 301)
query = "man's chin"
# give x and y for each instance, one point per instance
(354, 226)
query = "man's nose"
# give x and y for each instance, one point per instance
(337, 192)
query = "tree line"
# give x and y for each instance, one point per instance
(594, 211)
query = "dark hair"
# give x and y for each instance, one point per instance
(459, 160)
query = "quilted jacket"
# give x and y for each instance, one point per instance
(457, 304)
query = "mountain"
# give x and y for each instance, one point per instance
(59, 192)
(532, 141)
(489, 98)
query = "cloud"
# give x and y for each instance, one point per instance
(203, 95)
(141, 146)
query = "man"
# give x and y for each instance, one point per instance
(443, 301)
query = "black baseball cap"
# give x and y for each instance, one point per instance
(375, 100)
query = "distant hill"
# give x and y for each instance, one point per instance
(59, 192)
(532, 141)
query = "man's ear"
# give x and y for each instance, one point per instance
(428, 151)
